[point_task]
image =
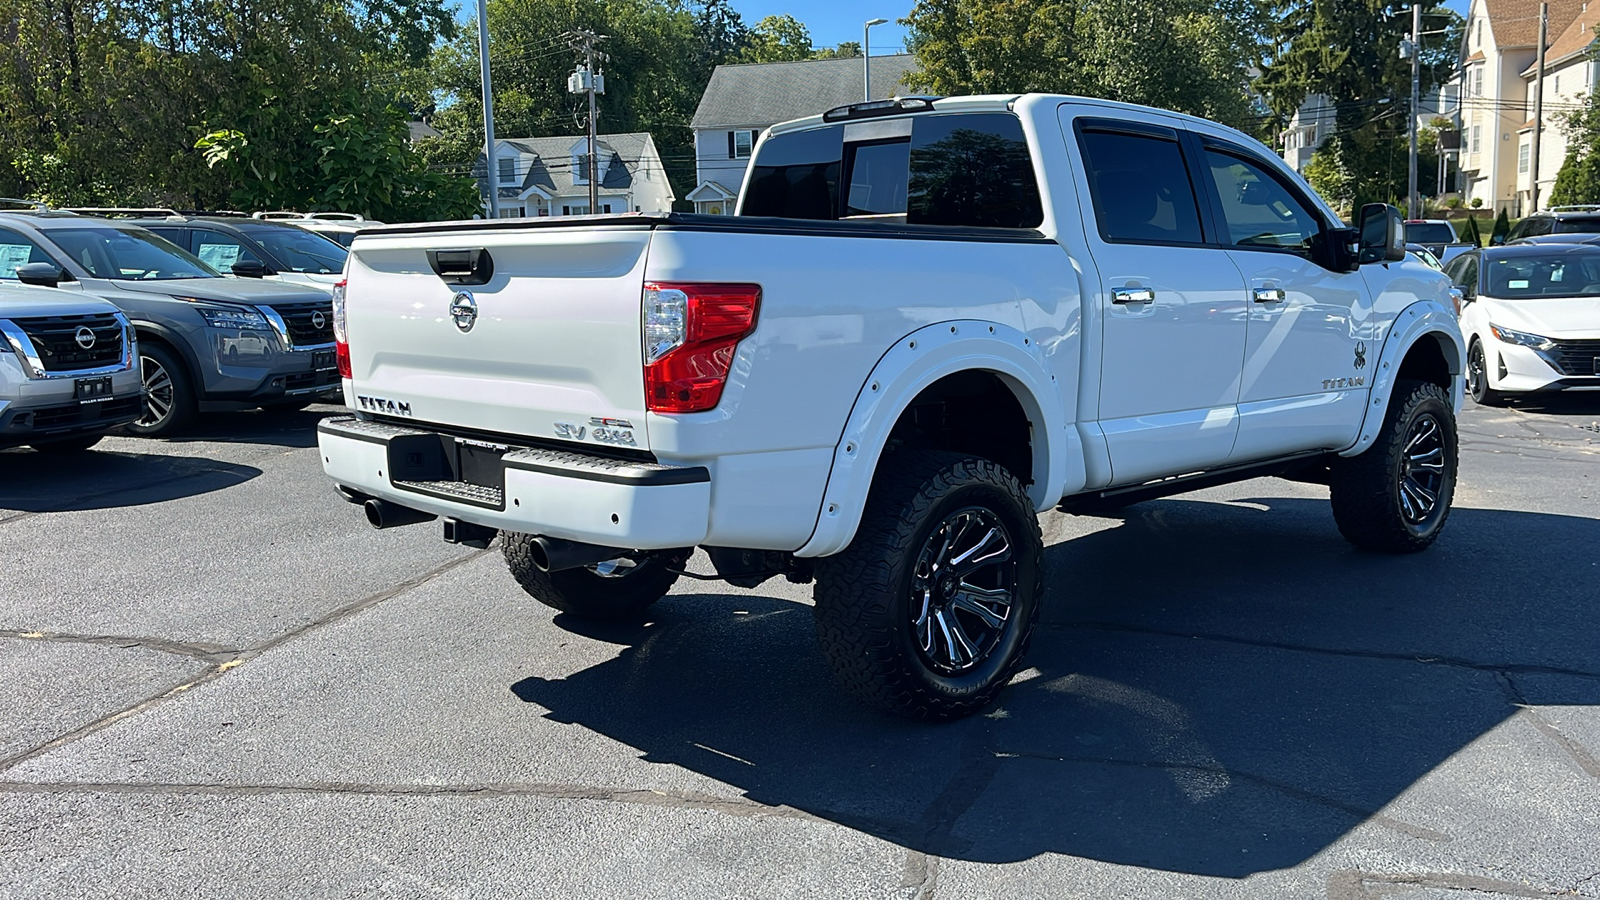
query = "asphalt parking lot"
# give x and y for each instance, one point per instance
(217, 681)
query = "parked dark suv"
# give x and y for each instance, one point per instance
(206, 342)
(1557, 221)
(255, 248)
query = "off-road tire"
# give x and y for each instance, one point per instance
(1366, 489)
(178, 395)
(78, 444)
(584, 593)
(864, 595)
(1478, 378)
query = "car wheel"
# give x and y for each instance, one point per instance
(75, 444)
(929, 611)
(1395, 496)
(169, 400)
(615, 589)
(1478, 378)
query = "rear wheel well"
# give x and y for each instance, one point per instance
(972, 412)
(1426, 361)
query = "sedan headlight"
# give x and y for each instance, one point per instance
(1522, 338)
(222, 317)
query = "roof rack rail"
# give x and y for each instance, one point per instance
(34, 205)
(123, 212)
(336, 216)
(1576, 207)
(278, 214)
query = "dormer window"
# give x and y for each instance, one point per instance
(740, 143)
(508, 169)
(580, 168)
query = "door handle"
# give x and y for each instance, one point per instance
(1268, 295)
(1127, 295)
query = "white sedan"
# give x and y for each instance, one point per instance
(1531, 316)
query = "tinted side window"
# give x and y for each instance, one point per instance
(1141, 188)
(972, 169)
(1257, 209)
(17, 251)
(220, 251)
(1576, 225)
(797, 176)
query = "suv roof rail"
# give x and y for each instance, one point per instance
(128, 212)
(278, 214)
(33, 205)
(1576, 207)
(336, 216)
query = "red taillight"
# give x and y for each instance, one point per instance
(341, 347)
(691, 332)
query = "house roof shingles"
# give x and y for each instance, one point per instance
(1516, 22)
(762, 94)
(1573, 39)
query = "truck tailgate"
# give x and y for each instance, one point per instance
(552, 344)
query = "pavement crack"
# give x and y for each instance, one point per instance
(216, 669)
(1575, 751)
(1350, 884)
(1425, 659)
(741, 807)
(210, 653)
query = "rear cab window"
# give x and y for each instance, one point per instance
(1141, 188)
(955, 169)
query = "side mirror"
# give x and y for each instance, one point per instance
(250, 268)
(1383, 234)
(42, 274)
(1458, 298)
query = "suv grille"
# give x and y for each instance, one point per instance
(1577, 357)
(302, 318)
(56, 340)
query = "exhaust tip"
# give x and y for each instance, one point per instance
(383, 514)
(539, 553)
(374, 511)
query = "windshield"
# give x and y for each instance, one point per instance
(1533, 277)
(1585, 225)
(1430, 233)
(127, 254)
(298, 250)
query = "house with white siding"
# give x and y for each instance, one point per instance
(550, 176)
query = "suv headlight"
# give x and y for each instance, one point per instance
(1522, 338)
(222, 317)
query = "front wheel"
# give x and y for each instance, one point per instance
(1478, 378)
(615, 589)
(929, 611)
(169, 399)
(1396, 495)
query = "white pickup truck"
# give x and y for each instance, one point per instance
(930, 320)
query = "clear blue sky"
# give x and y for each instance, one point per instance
(833, 22)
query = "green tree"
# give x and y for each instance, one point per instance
(1188, 55)
(1470, 232)
(1349, 51)
(777, 39)
(846, 50)
(1578, 180)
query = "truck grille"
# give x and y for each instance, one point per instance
(86, 413)
(301, 319)
(56, 338)
(1576, 357)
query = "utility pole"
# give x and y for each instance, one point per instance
(1538, 103)
(586, 81)
(866, 57)
(1413, 198)
(491, 178)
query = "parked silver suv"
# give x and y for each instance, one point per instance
(206, 341)
(67, 373)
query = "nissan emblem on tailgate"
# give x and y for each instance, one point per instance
(464, 310)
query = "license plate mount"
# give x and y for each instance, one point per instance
(91, 390)
(322, 360)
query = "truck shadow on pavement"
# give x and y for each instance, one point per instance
(45, 482)
(1217, 689)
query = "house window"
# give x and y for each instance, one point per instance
(1477, 136)
(1558, 84)
(1522, 159)
(510, 212)
(1477, 81)
(1477, 34)
(580, 168)
(508, 169)
(605, 207)
(740, 144)
(575, 210)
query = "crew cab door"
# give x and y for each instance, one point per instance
(1171, 303)
(1308, 342)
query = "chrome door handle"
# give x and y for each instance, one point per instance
(1132, 295)
(1269, 295)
